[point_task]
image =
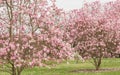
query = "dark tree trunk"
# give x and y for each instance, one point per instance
(119, 55)
(97, 63)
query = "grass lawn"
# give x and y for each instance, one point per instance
(65, 69)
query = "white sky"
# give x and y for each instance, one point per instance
(74, 4)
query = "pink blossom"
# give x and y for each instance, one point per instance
(12, 46)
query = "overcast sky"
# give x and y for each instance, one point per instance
(74, 4)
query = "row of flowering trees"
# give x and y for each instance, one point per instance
(34, 31)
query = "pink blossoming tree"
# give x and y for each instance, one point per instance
(30, 33)
(92, 33)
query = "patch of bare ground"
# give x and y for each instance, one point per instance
(100, 70)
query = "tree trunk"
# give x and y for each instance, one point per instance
(98, 64)
(15, 72)
(19, 73)
(118, 55)
(97, 67)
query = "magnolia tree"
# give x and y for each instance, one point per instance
(113, 21)
(31, 32)
(92, 33)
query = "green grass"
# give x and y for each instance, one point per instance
(64, 69)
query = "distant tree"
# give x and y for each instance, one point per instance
(91, 34)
